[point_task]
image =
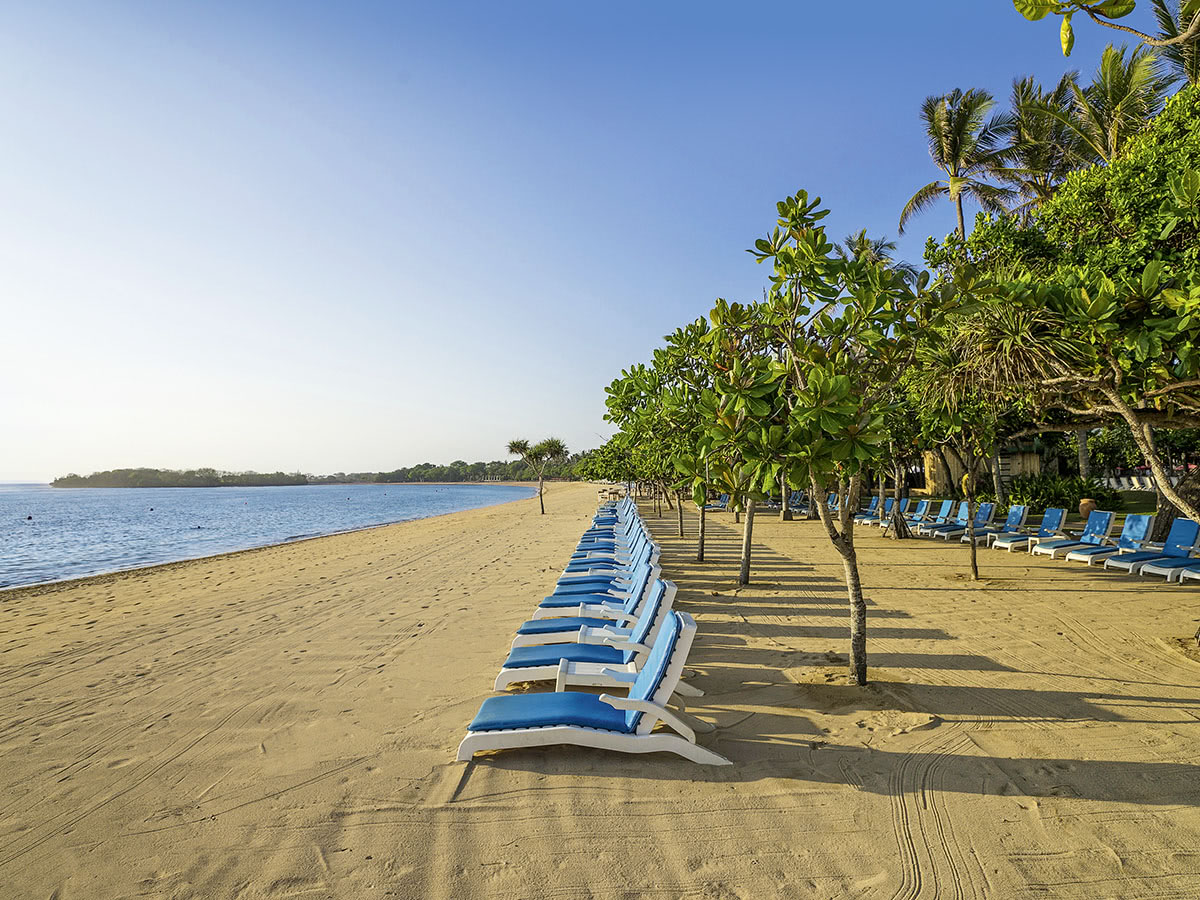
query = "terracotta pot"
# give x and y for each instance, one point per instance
(1086, 507)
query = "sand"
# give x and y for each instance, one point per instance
(282, 723)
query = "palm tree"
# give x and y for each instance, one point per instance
(1041, 149)
(967, 146)
(859, 246)
(538, 457)
(1125, 94)
(1179, 61)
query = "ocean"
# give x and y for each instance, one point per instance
(51, 534)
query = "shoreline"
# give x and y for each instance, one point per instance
(40, 587)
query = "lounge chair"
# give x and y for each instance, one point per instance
(586, 614)
(721, 504)
(869, 513)
(1095, 534)
(1050, 527)
(919, 514)
(613, 655)
(625, 724)
(983, 515)
(1134, 533)
(1181, 541)
(1017, 514)
(960, 518)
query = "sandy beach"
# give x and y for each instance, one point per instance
(282, 723)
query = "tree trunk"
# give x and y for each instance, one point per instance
(1189, 489)
(949, 472)
(541, 499)
(969, 487)
(962, 225)
(858, 618)
(679, 506)
(666, 496)
(785, 511)
(1143, 436)
(1085, 458)
(997, 484)
(700, 540)
(747, 536)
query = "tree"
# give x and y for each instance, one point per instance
(966, 144)
(1106, 12)
(860, 246)
(1042, 151)
(1126, 92)
(538, 457)
(1181, 61)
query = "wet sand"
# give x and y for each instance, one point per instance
(282, 723)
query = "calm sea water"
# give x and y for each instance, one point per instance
(86, 531)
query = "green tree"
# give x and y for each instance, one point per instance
(967, 145)
(1042, 150)
(1181, 61)
(538, 457)
(1106, 13)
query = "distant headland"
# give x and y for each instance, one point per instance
(456, 471)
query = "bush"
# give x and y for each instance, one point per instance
(1045, 490)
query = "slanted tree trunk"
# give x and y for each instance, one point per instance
(541, 490)
(679, 506)
(949, 472)
(1085, 457)
(700, 539)
(1143, 436)
(666, 496)
(843, 541)
(747, 536)
(1189, 489)
(969, 490)
(785, 511)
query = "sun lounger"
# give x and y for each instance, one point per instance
(1050, 527)
(1180, 543)
(1134, 533)
(1013, 524)
(983, 515)
(624, 724)
(959, 518)
(869, 513)
(1095, 533)
(565, 629)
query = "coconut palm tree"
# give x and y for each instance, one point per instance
(967, 145)
(1042, 150)
(1182, 60)
(859, 246)
(537, 457)
(1126, 92)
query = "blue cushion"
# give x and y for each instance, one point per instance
(550, 654)
(1140, 556)
(540, 710)
(576, 599)
(563, 623)
(586, 586)
(1175, 562)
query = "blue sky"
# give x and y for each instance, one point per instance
(354, 236)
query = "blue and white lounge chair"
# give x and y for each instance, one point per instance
(1177, 548)
(869, 513)
(983, 515)
(721, 504)
(919, 514)
(1095, 534)
(623, 724)
(884, 520)
(1134, 533)
(960, 518)
(1014, 524)
(550, 629)
(613, 656)
(1050, 527)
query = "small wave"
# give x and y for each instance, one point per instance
(301, 537)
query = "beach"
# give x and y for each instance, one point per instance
(282, 722)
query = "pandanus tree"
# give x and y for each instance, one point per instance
(967, 143)
(538, 456)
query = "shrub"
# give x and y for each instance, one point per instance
(1046, 489)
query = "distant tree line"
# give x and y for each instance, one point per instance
(142, 478)
(573, 468)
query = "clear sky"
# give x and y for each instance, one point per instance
(354, 236)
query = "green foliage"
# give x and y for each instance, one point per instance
(1103, 12)
(145, 478)
(1047, 490)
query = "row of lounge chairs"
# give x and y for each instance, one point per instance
(1131, 551)
(609, 624)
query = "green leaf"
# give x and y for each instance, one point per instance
(1115, 9)
(1067, 35)
(1035, 9)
